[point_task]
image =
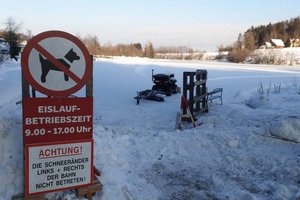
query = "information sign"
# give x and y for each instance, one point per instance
(57, 119)
(58, 166)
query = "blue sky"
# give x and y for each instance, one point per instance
(201, 24)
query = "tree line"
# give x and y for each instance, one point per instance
(246, 43)
(12, 34)
(133, 49)
(284, 30)
(255, 37)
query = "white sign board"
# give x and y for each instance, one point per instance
(59, 166)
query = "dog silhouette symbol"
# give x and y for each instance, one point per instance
(47, 65)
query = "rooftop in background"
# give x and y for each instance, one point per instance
(278, 43)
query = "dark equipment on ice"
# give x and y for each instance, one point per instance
(164, 83)
(148, 94)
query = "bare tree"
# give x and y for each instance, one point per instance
(92, 44)
(149, 50)
(12, 36)
(28, 35)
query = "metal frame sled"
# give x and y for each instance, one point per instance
(148, 94)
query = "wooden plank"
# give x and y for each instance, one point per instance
(200, 71)
(33, 93)
(200, 82)
(90, 190)
(191, 89)
(25, 87)
(185, 84)
(25, 94)
(189, 73)
(89, 85)
(185, 88)
(197, 83)
(198, 91)
(33, 197)
(177, 125)
(199, 98)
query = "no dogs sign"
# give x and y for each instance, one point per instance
(56, 63)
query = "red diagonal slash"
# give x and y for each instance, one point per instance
(57, 64)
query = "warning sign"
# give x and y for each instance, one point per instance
(57, 129)
(56, 63)
(58, 166)
(57, 119)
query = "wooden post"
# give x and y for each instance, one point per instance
(26, 94)
(204, 89)
(185, 89)
(198, 89)
(89, 191)
(89, 85)
(25, 86)
(33, 197)
(191, 96)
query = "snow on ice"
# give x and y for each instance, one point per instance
(247, 148)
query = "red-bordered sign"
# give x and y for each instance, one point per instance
(57, 119)
(58, 166)
(56, 63)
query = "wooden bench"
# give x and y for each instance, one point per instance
(215, 94)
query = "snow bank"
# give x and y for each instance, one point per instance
(284, 56)
(288, 129)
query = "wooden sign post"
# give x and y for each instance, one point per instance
(57, 129)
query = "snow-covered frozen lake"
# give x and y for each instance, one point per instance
(234, 154)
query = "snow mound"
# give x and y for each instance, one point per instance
(288, 129)
(256, 102)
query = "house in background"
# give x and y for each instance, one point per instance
(268, 45)
(274, 43)
(295, 42)
(277, 43)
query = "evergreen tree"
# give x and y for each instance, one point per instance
(249, 41)
(284, 30)
(240, 41)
